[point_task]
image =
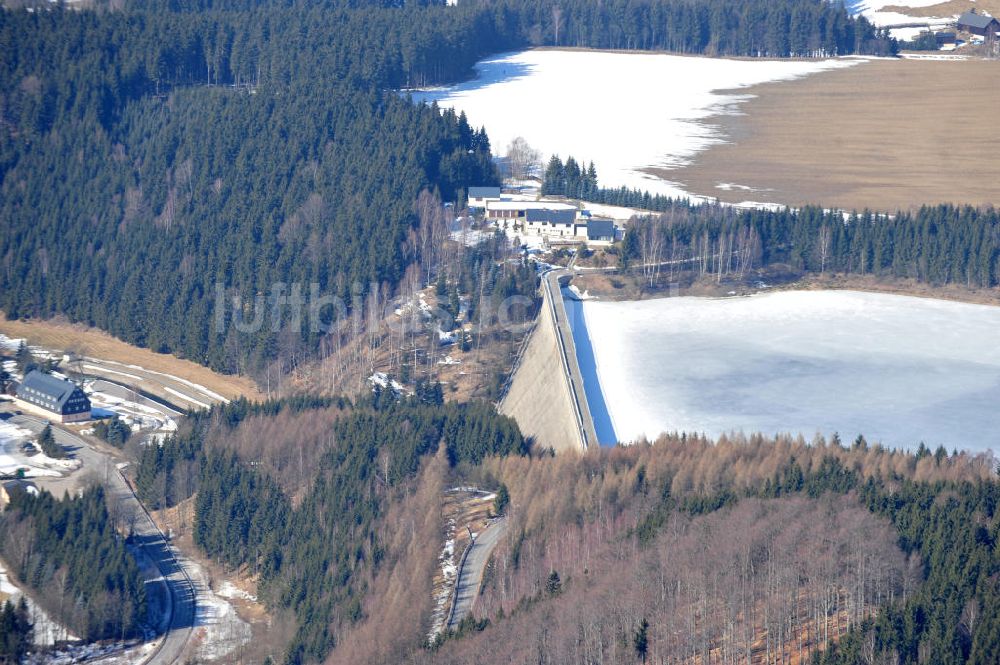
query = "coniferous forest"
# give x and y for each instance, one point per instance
(153, 154)
(935, 245)
(70, 555)
(15, 631)
(315, 559)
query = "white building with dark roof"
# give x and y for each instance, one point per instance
(52, 397)
(480, 196)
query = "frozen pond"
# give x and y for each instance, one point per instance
(624, 111)
(897, 369)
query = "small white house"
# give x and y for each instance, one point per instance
(550, 223)
(480, 196)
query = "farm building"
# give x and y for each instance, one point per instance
(555, 221)
(978, 24)
(53, 397)
(479, 196)
(945, 38)
(516, 212)
(546, 222)
(600, 232)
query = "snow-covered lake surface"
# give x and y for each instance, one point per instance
(624, 111)
(898, 369)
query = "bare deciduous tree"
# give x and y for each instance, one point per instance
(522, 158)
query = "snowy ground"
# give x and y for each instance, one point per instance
(617, 213)
(874, 11)
(46, 630)
(219, 631)
(36, 464)
(140, 416)
(95, 654)
(443, 591)
(650, 108)
(898, 369)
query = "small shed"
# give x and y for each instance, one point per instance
(945, 38)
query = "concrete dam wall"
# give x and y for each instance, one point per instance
(546, 395)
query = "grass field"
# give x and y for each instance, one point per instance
(886, 135)
(98, 344)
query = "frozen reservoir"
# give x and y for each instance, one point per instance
(898, 369)
(625, 111)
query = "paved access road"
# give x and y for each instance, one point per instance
(470, 575)
(126, 507)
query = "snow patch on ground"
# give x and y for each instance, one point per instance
(231, 591)
(191, 384)
(472, 237)
(141, 416)
(873, 11)
(898, 369)
(10, 344)
(585, 295)
(442, 596)
(650, 108)
(95, 654)
(617, 213)
(36, 464)
(382, 380)
(47, 631)
(219, 631)
(111, 371)
(933, 56)
(187, 398)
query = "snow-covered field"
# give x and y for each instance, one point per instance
(624, 111)
(898, 369)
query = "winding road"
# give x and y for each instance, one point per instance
(125, 506)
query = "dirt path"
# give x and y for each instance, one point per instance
(886, 135)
